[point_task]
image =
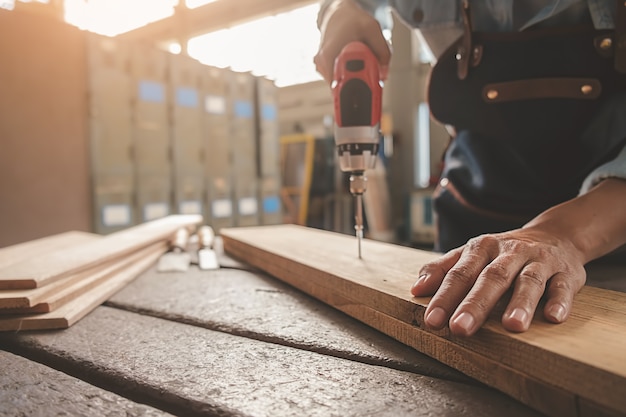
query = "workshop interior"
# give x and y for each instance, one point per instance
(194, 222)
(155, 133)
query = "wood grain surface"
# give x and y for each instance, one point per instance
(53, 296)
(578, 362)
(50, 267)
(71, 312)
(32, 249)
(23, 299)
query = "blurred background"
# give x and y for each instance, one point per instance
(116, 112)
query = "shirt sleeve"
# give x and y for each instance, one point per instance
(421, 14)
(612, 169)
(373, 7)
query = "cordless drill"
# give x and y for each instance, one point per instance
(357, 95)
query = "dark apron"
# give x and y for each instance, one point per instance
(535, 112)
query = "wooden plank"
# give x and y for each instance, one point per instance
(583, 357)
(73, 311)
(29, 250)
(53, 296)
(25, 299)
(22, 299)
(34, 273)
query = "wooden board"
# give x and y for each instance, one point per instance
(51, 297)
(79, 307)
(37, 272)
(22, 299)
(30, 250)
(580, 361)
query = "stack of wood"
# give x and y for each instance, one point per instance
(53, 282)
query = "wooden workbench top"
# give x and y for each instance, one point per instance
(230, 342)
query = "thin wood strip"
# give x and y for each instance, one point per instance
(584, 356)
(28, 299)
(78, 308)
(25, 299)
(51, 267)
(29, 250)
(87, 281)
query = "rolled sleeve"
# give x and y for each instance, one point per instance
(377, 8)
(428, 14)
(612, 169)
(372, 5)
(422, 14)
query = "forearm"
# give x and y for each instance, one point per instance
(595, 222)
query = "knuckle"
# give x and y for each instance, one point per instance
(461, 274)
(481, 242)
(529, 304)
(476, 305)
(495, 270)
(515, 246)
(497, 274)
(533, 278)
(543, 252)
(561, 285)
(564, 287)
(433, 268)
(475, 243)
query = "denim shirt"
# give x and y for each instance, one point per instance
(488, 15)
(443, 18)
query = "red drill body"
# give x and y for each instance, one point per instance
(357, 94)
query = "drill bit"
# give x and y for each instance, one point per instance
(359, 221)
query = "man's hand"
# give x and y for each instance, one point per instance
(345, 21)
(546, 256)
(469, 281)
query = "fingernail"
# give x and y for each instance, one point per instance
(436, 318)
(420, 281)
(557, 312)
(519, 314)
(465, 321)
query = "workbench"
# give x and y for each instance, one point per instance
(233, 342)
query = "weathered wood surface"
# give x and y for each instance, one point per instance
(189, 370)
(257, 306)
(28, 388)
(579, 361)
(53, 266)
(77, 307)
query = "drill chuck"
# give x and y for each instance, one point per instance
(358, 183)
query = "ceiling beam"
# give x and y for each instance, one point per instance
(187, 23)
